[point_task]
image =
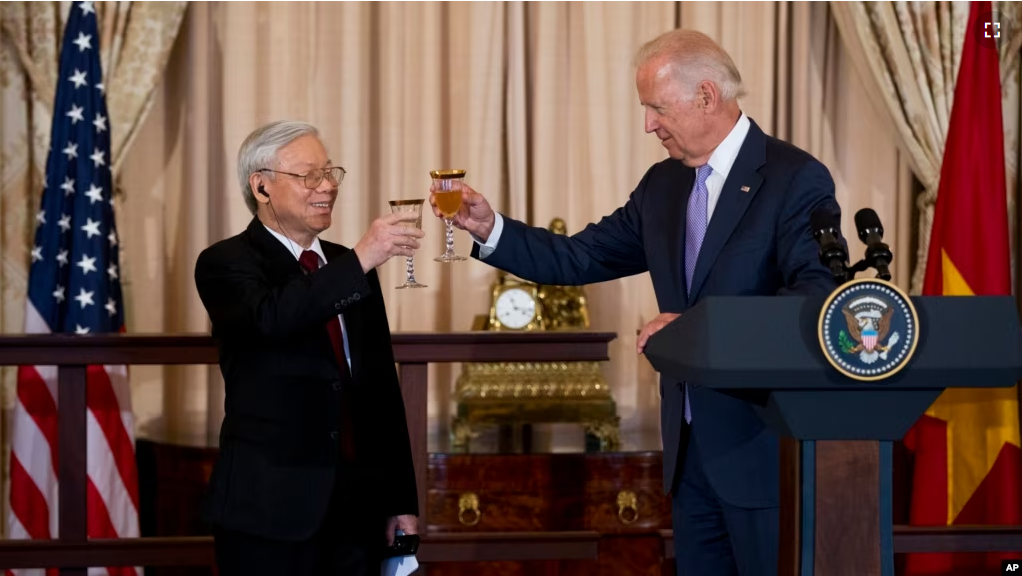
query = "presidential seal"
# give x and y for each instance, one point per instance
(868, 329)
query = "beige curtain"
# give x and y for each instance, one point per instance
(135, 39)
(907, 55)
(536, 100)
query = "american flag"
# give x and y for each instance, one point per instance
(74, 287)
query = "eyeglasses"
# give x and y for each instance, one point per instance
(313, 178)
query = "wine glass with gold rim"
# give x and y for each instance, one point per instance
(414, 206)
(448, 201)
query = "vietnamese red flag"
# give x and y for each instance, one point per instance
(966, 447)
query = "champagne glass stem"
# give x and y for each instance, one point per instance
(410, 270)
(450, 236)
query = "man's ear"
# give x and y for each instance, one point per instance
(707, 96)
(258, 184)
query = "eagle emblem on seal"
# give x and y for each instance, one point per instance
(868, 332)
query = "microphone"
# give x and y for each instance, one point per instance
(826, 227)
(871, 232)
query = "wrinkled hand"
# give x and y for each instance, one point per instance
(408, 523)
(652, 327)
(475, 215)
(388, 236)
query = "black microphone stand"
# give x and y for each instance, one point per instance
(870, 261)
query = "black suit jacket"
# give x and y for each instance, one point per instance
(279, 442)
(758, 242)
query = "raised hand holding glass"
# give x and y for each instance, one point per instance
(448, 201)
(416, 207)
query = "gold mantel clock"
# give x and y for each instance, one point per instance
(512, 393)
(515, 305)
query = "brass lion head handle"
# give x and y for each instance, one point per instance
(468, 509)
(627, 506)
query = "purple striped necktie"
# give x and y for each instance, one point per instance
(696, 220)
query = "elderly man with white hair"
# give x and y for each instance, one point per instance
(315, 472)
(727, 214)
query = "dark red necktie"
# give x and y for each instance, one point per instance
(310, 262)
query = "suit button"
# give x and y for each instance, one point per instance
(334, 435)
(357, 296)
(337, 306)
(337, 385)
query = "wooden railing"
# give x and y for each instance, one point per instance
(73, 552)
(931, 539)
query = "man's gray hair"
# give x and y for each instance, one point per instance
(259, 150)
(695, 58)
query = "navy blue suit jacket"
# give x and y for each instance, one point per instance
(758, 242)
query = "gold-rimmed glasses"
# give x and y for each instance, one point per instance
(333, 174)
(414, 206)
(448, 201)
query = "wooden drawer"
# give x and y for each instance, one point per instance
(490, 493)
(626, 510)
(607, 492)
(624, 493)
(487, 510)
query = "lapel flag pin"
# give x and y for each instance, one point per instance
(745, 188)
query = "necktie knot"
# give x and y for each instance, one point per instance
(309, 260)
(702, 173)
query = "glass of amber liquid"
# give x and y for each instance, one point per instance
(448, 201)
(416, 207)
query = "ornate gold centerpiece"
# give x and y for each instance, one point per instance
(512, 393)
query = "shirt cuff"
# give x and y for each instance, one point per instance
(487, 248)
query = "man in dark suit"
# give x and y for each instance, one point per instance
(727, 214)
(315, 470)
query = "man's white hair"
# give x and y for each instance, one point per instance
(695, 58)
(259, 151)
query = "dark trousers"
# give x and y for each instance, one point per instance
(348, 543)
(714, 538)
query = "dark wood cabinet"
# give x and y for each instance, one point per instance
(620, 495)
(610, 493)
(617, 494)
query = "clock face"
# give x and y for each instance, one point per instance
(515, 308)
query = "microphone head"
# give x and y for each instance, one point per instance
(866, 220)
(823, 219)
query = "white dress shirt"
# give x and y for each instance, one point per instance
(721, 160)
(296, 250)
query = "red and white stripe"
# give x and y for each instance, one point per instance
(112, 474)
(869, 342)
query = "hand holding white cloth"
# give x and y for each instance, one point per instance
(399, 565)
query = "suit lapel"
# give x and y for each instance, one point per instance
(281, 263)
(731, 205)
(352, 318)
